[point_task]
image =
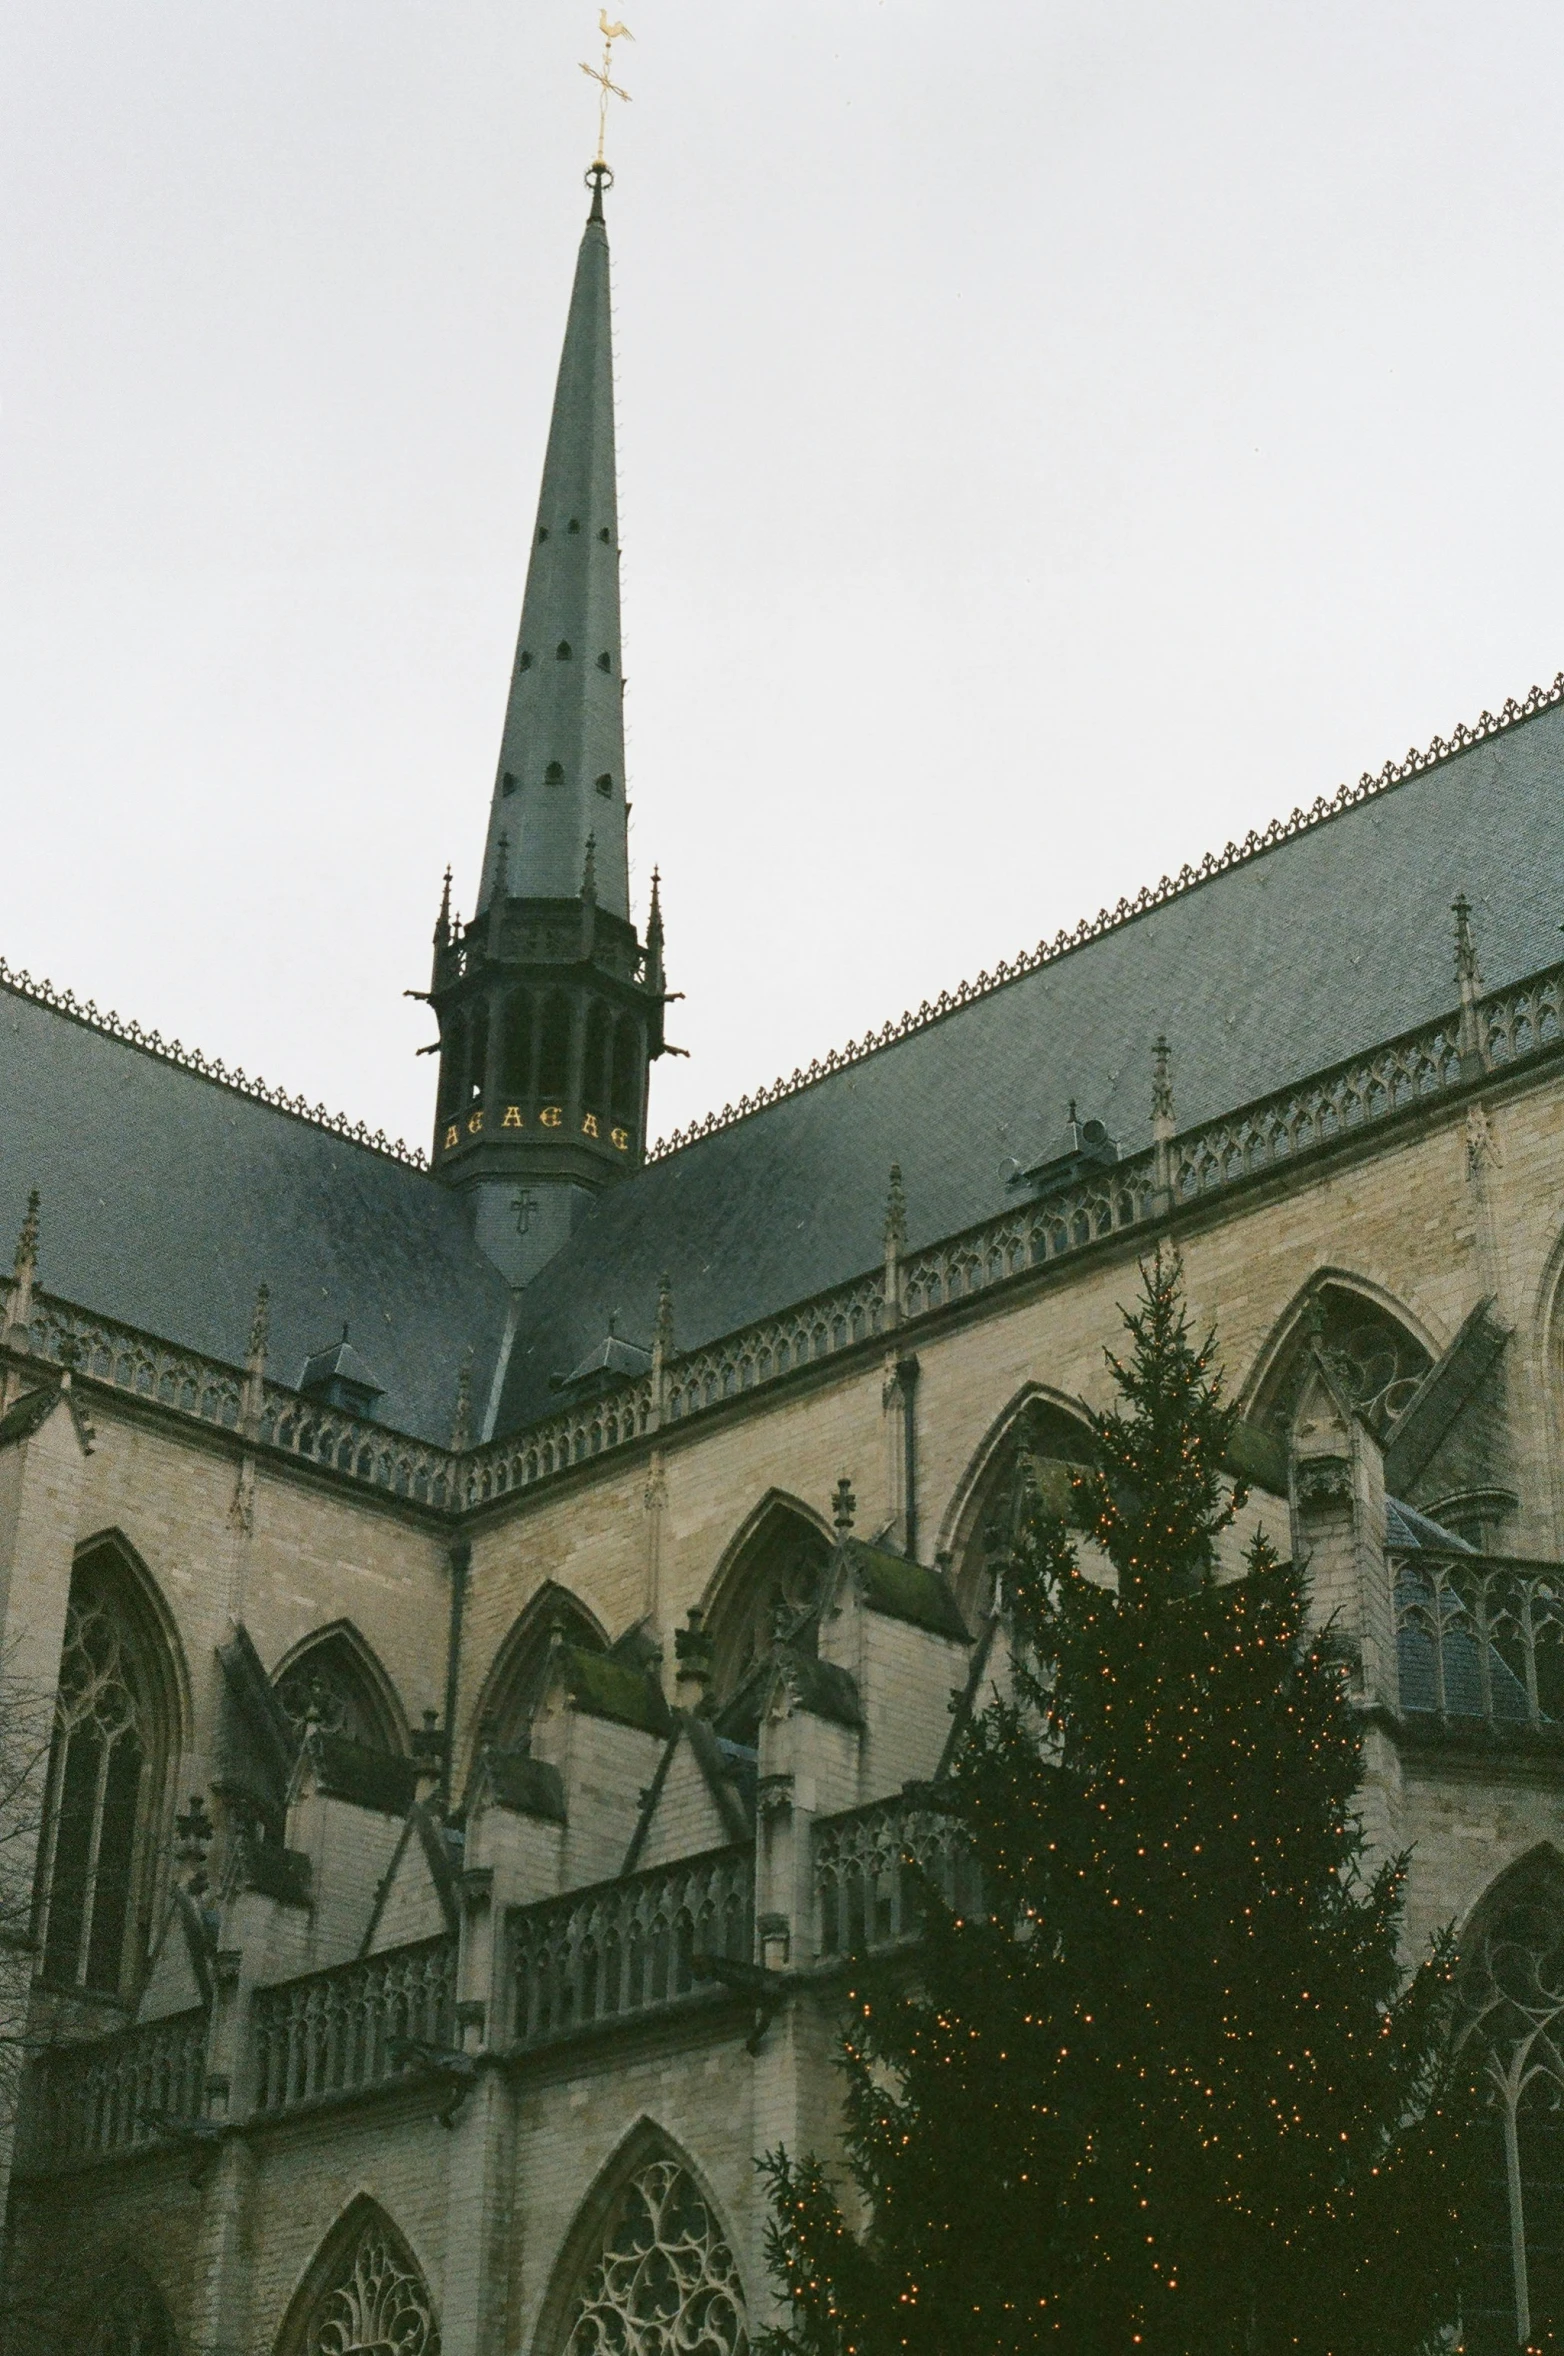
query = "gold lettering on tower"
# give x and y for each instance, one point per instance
(551, 1116)
(475, 1122)
(621, 1138)
(589, 1124)
(513, 1119)
(450, 1134)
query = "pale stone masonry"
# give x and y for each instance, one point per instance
(484, 1735)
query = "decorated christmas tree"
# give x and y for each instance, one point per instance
(1169, 2089)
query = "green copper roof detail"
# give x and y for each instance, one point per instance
(561, 774)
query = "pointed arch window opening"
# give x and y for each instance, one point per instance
(127, 2317)
(626, 1104)
(1043, 1448)
(554, 1048)
(451, 1067)
(329, 1686)
(1377, 1360)
(374, 2302)
(597, 1067)
(664, 2279)
(107, 1771)
(554, 774)
(1513, 2000)
(477, 1055)
(770, 1594)
(516, 1057)
(562, 653)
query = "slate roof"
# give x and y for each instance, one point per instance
(1317, 948)
(167, 1199)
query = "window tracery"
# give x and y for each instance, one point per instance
(1513, 1988)
(771, 1588)
(106, 1774)
(376, 2302)
(665, 2282)
(1041, 1445)
(330, 1687)
(1374, 1357)
(131, 2320)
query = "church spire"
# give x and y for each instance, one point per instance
(550, 1008)
(561, 766)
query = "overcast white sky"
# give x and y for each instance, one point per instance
(1052, 439)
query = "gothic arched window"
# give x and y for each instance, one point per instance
(452, 1065)
(1512, 1972)
(477, 1055)
(627, 1072)
(335, 1682)
(599, 1053)
(1036, 1441)
(662, 2278)
(516, 1065)
(554, 1052)
(364, 2296)
(514, 1685)
(1376, 1359)
(127, 2317)
(116, 1714)
(767, 1591)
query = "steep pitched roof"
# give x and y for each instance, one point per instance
(1317, 947)
(561, 774)
(167, 1199)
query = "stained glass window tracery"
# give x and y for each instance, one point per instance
(376, 2302)
(665, 2282)
(133, 2322)
(1513, 1985)
(328, 1686)
(105, 1781)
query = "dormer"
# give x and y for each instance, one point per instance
(337, 1377)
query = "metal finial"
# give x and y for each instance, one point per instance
(664, 1331)
(589, 870)
(442, 923)
(843, 1506)
(607, 88)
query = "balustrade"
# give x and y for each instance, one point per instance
(867, 1865)
(1480, 1636)
(1267, 1134)
(336, 2032)
(120, 2093)
(628, 1947)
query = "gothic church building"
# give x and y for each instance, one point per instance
(498, 1611)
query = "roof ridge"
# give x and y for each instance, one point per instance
(190, 1059)
(1107, 920)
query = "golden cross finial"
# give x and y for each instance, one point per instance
(602, 75)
